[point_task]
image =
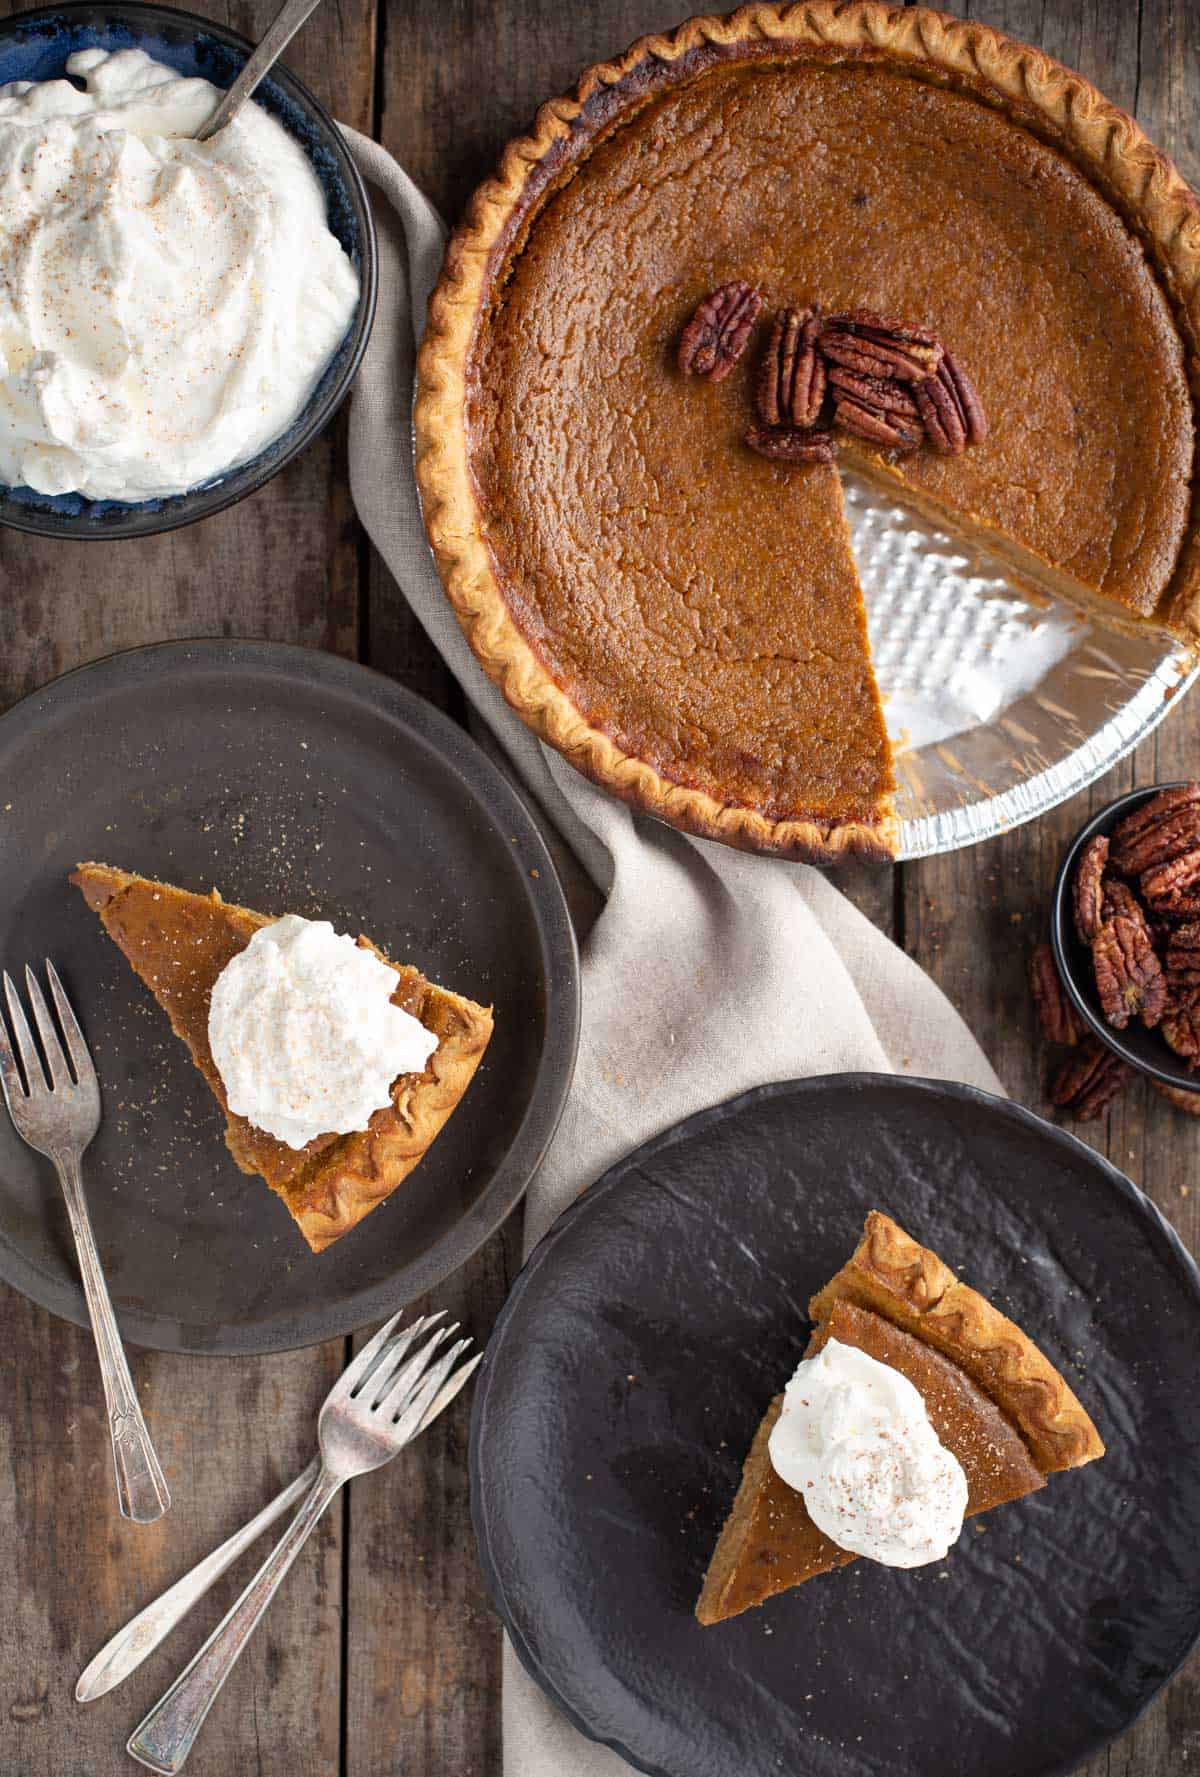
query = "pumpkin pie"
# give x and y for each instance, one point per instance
(996, 1403)
(178, 943)
(681, 616)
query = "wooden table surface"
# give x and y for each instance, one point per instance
(381, 1656)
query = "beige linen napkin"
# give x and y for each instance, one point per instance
(707, 972)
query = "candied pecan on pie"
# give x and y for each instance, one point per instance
(719, 331)
(792, 375)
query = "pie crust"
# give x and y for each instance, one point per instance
(176, 942)
(1047, 100)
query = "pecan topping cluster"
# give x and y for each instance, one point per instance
(1137, 913)
(1137, 906)
(885, 381)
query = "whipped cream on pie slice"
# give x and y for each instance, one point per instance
(854, 1439)
(304, 1034)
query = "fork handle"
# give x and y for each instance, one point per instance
(126, 1650)
(163, 1740)
(141, 1486)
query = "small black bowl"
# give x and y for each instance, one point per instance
(35, 46)
(1143, 1049)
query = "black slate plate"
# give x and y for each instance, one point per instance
(294, 782)
(647, 1334)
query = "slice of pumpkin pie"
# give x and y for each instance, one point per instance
(336, 1069)
(917, 1404)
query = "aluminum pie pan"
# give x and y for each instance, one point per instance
(1001, 700)
(1058, 695)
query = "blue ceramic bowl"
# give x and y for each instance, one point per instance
(35, 46)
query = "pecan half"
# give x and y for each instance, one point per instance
(1180, 1096)
(719, 331)
(1088, 888)
(1181, 959)
(1118, 901)
(895, 431)
(1056, 1015)
(1157, 831)
(951, 409)
(1129, 976)
(1181, 1028)
(1173, 888)
(877, 345)
(788, 445)
(875, 392)
(1088, 1080)
(791, 378)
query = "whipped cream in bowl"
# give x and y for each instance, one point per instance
(177, 319)
(304, 1033)
(855, 1440)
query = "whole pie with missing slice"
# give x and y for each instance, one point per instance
(179, 943)
(680, 616)
(994, 1400)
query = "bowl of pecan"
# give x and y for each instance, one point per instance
(1125, 931)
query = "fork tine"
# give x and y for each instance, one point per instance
(416, 1365)
(35, 1079)
(409, 1414)
(78, 1053)
(410, 1385)
(10, 1075)
(393, 1353)
(56, 1062)
(447, 1392)
(362, 1365)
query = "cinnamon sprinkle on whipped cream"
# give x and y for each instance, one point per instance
(167, 306)
(304, 1034)
(855, 1440)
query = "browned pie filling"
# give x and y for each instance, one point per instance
(697, 602)
(993, 1398)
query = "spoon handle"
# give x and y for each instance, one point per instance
(282, 29)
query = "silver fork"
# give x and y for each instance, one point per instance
(58, 1117)
(383, 1400)
(124, 1652)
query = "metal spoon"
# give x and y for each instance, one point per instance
(282, 29)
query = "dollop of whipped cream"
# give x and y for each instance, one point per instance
(167, 306)
(304, 1034)
(854, 1438)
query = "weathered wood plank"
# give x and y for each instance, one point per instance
(283, 564)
